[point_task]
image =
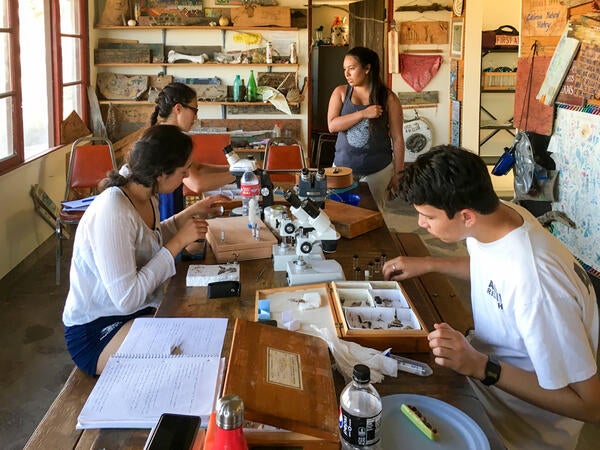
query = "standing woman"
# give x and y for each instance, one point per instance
(368, 119)
(177, 104)
(122, 253)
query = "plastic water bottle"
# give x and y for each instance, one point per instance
(360, 412)
(250, 189)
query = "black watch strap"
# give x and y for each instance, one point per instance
(492, 371)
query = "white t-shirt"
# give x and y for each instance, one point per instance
(534, 307)
(118, 262)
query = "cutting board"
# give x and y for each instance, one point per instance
(351, 221)
(238, 242)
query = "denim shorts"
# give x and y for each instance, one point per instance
(86, 342)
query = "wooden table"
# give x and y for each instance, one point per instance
(432, 295)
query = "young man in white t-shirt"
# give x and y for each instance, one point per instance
(532, 355)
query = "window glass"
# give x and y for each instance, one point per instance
(6, 142)
(72, 100)
(34, 76)
(5, 81)
(4, 13)
(69, 10)
(70, 59)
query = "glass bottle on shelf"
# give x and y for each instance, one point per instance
(237, 89)
(252, 95)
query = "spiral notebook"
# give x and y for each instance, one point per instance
(165, 365)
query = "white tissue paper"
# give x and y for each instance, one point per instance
(348, 354)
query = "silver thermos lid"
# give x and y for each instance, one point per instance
(230, 412)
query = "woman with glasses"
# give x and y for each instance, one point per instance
(177, 104)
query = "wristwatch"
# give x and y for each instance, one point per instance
(492, 371)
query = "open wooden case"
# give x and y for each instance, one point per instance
(375, 314)
(231, 239)
(286, 382)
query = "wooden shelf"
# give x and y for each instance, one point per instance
(200, 103)
(193, 27)
(191, 64)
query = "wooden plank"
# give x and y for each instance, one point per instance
(351, 221)
(542, 18)
(72, 128)
(415, 33)
(419, 98)
(131, 55)
(261, 16)
(157, 51)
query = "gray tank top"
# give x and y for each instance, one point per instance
(365, 147)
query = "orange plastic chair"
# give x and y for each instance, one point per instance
(284, 158)
(90, 161)
(208, 149)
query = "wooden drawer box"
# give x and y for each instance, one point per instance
(376, 314)
(286, 382)
(238, 243)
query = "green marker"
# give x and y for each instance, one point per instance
(420, 421)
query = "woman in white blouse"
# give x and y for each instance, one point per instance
(122, 253)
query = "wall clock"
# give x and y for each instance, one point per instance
(457, 7)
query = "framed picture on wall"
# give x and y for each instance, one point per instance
(457, 34)
(455, 123)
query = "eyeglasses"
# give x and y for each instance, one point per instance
(190, 107)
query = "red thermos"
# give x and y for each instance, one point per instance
(230, 421)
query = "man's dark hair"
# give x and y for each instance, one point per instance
(451, 179)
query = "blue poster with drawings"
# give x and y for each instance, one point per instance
(575, 146)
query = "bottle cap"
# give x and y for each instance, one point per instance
(361, 373)
(230, 412)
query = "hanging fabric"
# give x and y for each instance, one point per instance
(418, 70)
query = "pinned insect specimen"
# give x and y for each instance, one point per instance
(395, 323)
(223, 269)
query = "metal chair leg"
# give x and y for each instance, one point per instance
(58, 234)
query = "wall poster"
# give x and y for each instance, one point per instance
(574, 147)
(455, 124)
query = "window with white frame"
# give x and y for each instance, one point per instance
(43, 44)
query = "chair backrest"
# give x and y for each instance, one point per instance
(208, 148)
(283, 155)
(90, 161)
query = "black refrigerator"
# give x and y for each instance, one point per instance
(327, 73)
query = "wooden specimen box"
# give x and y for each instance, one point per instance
(237, 242)
(286, 382)
(375, 314)
(351, 221)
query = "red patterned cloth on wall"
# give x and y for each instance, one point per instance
(418, 70)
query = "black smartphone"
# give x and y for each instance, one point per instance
(174, 432)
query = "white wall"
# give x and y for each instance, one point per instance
(22, 230)
(438, 116)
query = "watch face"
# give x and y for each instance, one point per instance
(458, 7)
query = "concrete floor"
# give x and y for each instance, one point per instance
(34, 362)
